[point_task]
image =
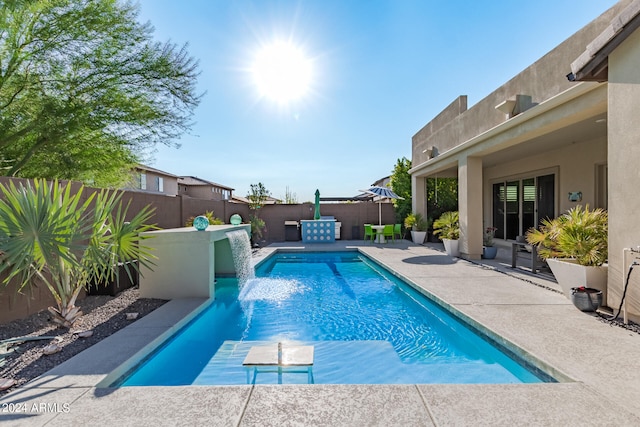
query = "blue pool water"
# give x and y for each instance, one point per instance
(366, 326)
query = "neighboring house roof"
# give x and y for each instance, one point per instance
(593, 63)
(272, 201)
(239, 199)
(154, 170)
(195, 181)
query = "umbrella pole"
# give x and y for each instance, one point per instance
(379, 213)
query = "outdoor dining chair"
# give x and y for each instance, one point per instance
(369, 234)
(397, 231)
(388, 232)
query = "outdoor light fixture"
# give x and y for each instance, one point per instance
(575, 196)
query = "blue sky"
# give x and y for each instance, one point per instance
(381, 70)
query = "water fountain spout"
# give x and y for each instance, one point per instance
(241, 252)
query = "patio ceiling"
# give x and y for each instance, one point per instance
(593, 127)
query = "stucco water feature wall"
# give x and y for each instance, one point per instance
(187, 261)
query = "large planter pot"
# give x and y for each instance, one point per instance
(451, 247)
(570, 274)
(418, 236)
(489, 252)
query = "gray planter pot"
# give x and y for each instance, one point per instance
(586, 299)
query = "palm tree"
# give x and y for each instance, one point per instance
(49, 236)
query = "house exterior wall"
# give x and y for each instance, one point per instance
(209, 192)
(574, 167)
(169, 183)
(200, 192)
(542, 80)
(549, 138)
(624, 170)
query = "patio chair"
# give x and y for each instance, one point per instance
(397, 231)
(369, 234)
(388, 232)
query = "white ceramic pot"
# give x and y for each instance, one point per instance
(451, 247)
(418, 236)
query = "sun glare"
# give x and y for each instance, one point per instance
(281, 72)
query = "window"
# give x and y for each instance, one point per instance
(143, 181)
(160, 184)
(521, 204)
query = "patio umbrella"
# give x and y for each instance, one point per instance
(383, 193)
(316, 214)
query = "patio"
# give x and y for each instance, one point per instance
(597, 364)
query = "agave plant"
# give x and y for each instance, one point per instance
(580, 234)
(50, 236)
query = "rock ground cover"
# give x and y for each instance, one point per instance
(103, 314)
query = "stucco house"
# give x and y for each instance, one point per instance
(564, 131)
(151, 180)
(199, 188)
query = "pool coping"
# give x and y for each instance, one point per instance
(606, 386)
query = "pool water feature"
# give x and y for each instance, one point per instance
(366, 326)
(241, 251)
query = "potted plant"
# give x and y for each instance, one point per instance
(418, 226)
(448, 228)
(488, 250)
(575, 248)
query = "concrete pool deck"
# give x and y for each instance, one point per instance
(600, 364)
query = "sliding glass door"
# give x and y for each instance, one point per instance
(519, 205)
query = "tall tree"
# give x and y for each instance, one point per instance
(85, 92)
(258, 195)
(401, 185)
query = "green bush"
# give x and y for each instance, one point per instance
(209, 214)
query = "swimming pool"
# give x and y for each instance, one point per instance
(366, 327)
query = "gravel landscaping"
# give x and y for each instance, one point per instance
(103, 314)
